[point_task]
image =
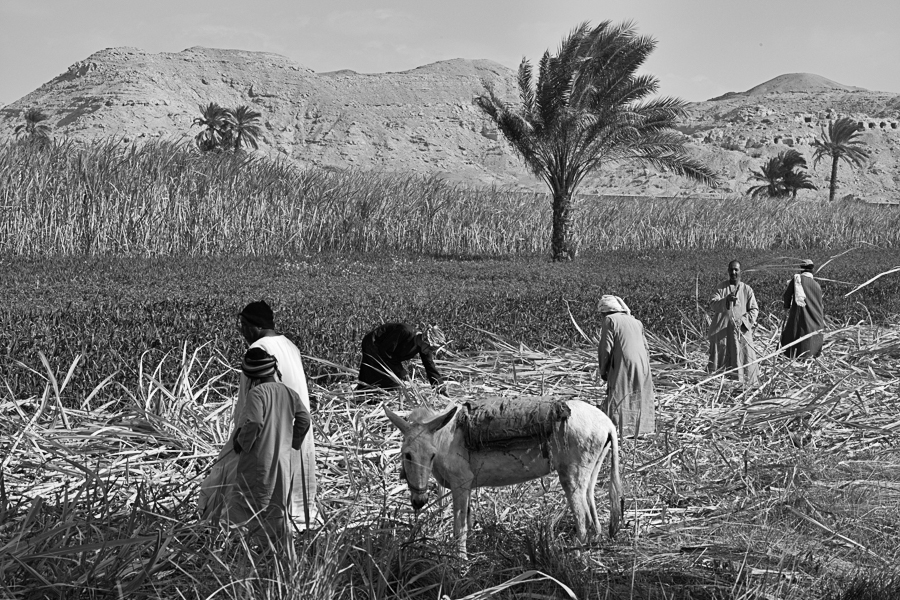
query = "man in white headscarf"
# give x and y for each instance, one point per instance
(803, 298)
(734, 313)
(625, 366)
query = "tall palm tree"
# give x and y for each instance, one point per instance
(216, 122)
(782, 175)
(245, 127)
(34, 128)
(588, 107)
(840, 142)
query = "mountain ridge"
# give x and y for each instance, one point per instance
(423, 120)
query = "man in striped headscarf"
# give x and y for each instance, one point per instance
(267, 437)
(625, 367)
(803, 298)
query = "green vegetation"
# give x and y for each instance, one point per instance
(245, 128)
(109, 312)
(227, 129)
(783, 175)
(840, 142)
(163, 200)
(588, 107)
(34, 129)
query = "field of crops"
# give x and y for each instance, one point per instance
(785, 491)
(110, 313)
(163, 200)
(123, 272)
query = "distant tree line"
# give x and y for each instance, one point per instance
(222, 129)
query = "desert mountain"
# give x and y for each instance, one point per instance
(424, 121)
(795, 82)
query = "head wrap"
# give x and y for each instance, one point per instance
(259, 314)
(434, 337)
(806, 264)
(258, 364)
(613, 304)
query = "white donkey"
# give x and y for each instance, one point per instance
(433, 443)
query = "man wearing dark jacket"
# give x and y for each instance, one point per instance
(386, 347)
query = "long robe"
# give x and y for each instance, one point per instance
(625, 366)
(273, 417)
(731, 333)
(215, 489)
(803, 320)
(386, 347)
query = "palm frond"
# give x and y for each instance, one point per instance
(526, 87)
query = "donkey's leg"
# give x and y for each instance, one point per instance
(574, 479)
(461, 518)
(591, 491)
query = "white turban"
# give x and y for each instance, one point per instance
(613, 304)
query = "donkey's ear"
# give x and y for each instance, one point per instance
(436, 423)
(398, 421)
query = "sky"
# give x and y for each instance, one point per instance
(704, 47)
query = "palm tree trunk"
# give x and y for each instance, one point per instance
(561, 247)
(832, 188)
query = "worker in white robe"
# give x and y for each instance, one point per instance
(257, 326)
(625, 367)
(734, 314)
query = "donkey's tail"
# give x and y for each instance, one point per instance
(616, 494)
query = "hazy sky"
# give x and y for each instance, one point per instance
(705, 47)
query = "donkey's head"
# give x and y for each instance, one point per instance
(419, 450)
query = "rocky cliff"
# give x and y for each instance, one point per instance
(424, 120)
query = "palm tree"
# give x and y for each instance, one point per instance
(772, 177)
(217, 123)
(245, 127)
(794, 181)
(588, 107)
(840, 142)
(782, 175)
(34, 128)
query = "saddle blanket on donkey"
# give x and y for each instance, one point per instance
(508, 423)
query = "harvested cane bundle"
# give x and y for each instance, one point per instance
(498, 423)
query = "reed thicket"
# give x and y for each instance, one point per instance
(163, 199)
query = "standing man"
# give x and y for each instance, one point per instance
(625, 367)
(386, 347)
(803, 298)
(257, 326)
(273, 424)
(734, 313)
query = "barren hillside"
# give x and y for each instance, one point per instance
(424, 120)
